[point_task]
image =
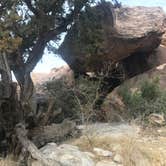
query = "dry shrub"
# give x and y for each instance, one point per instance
(75, 101)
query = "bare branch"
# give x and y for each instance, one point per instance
(38, 49)
(33, 10)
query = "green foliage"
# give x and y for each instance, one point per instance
(64, 97)
(87, 89)
(144, 100)
(8, 17)
(150, 89)
(91, 28)
(90, 31)
(89, 35)
(27, 27)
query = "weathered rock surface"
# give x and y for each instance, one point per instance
(102, 152)
(134, 30)
(53, 133)
(134, 22)
(66, 155)
(107, 163)
(113, 130)
(118, 158)
(140, 63)
(163, 42)
(157, 71)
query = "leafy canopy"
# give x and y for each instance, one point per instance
(8, 17)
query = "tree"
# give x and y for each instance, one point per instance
(27, 28)
(8, 42)
(32, 25)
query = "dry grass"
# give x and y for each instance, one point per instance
(134, 151)
(8, 162)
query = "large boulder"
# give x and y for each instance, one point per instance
(98, 40)
(158, 71)
(114, 106)
(164, 36)
(139, 63)
(66, 155)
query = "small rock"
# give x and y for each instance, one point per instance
(118, 158)
(81, 127)
(157, 119)
(159, 131)
(101, 152)
(107, 163)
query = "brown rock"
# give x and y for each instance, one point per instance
(55, 73)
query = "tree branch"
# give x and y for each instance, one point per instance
(33, 10)
(30, 146)
(38, 49)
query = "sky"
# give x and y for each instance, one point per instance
(50, 61)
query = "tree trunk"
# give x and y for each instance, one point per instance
(30, 146)
(6, 77)
(26, 90)
(9, 115)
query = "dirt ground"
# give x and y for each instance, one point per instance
(136, 145)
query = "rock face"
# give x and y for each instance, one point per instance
(55, 73)
(164, 39)
(107, 163)
(164, 36)
(132, 30)
(113, 104)
(142, 62)
(158, 70)
(134, 22)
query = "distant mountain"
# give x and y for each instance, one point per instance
(55, 73)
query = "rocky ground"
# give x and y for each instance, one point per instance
(108, 144)
(123, 144)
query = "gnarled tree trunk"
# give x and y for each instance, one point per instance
(9, 115)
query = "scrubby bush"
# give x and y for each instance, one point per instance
(64, 98)
(144, 100)
(150, 89)
(75, 100)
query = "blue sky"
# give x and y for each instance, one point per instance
(50, 61)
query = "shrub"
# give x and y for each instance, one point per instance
(150, 89)
(64, 98)
(75, 100)
(144, 100)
